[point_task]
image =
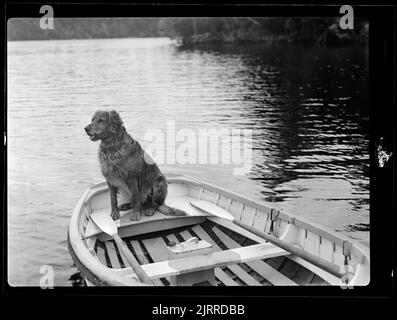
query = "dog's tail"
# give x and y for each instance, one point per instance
(168, 211)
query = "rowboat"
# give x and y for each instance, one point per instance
(205, 248)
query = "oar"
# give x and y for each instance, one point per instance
(317, 261)
(107, 225)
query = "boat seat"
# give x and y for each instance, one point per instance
(167, 268)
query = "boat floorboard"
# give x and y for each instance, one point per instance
(157, 249)
(112, 253)
(100, 252)
(150, 248)
(141, 257)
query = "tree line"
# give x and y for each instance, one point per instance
(190, 31)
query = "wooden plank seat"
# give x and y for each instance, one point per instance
(213, 260)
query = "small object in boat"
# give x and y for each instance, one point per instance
(190, 247)
(192, 239)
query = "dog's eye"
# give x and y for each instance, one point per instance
(100, 120)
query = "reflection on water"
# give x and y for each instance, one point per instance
(308, 108)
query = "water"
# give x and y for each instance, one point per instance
(308, 108)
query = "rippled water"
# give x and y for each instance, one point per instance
(308, 108)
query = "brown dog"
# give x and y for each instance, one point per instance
(128, 168)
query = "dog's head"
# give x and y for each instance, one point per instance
(104, 125)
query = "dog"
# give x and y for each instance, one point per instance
(127, 168)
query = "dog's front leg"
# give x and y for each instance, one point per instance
(115, 214)
(135, 200)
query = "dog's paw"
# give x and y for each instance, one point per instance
(135, 216)
(149, 211)
(125, 207)
(115, 215)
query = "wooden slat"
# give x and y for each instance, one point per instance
(142, 259)
(157, 249)
(237, 270)
(260, 220)
(312, 243)
(338, 255)
(301, 237)
(261, 267)
(224, 202)
(101, 255)
(224, 278)
(114, 260)
(236, 208)
(138, 251)
(248, 216)
(326, 249)
(125, 261)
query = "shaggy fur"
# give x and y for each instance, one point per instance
(128, 168)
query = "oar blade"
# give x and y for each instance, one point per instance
(212, 209)
(104, 222)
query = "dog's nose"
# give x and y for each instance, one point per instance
(87, 128)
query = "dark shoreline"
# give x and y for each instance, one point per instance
(193, 31)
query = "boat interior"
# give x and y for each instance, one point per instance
(153, 247)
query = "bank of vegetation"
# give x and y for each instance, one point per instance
(192, 31)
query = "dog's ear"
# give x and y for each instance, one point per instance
(115, 121)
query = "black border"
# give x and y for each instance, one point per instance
(382, 124)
